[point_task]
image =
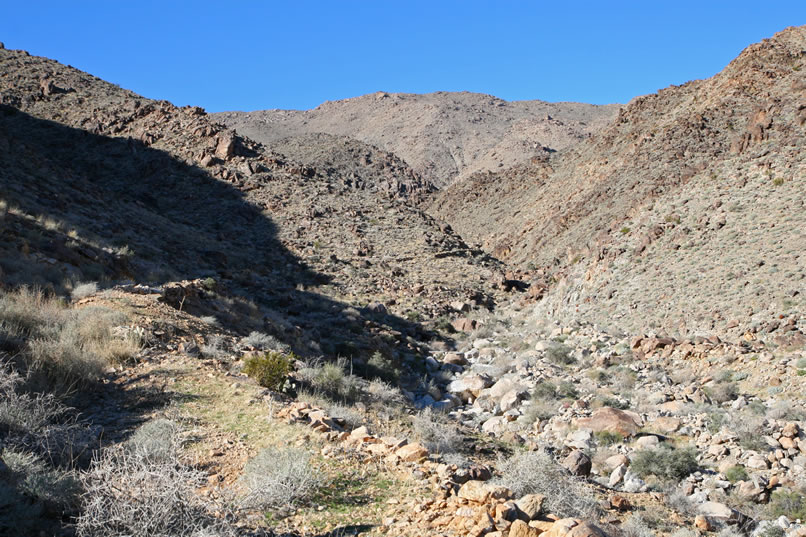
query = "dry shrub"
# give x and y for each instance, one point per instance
(83, 290)
(436, 432)
(143, 488)
(279, 477)
(535, 472)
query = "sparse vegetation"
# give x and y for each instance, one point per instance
(560, 354)
(279, 477)
(736, 473)
(63, 348)
(436, 432)
(270, 369)
(331, 380)
(146, 490)
(666, 463)
(535, 472)
(789, 503)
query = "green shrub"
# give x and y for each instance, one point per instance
(544, 390)
(270, 370)
(560, 354)
(379, 366)
(567, 390)
(608, 438)
(736, 473)
(789, 503)
(666, 463)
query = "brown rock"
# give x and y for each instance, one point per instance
(412, 452)
(702, 523)
(573, 527)
(531, 505)
(577, 463)
(620, 503)
(790, 430)
(474, 491)
(519, 528)
(226, 146)
(612, 420)
(464, 324)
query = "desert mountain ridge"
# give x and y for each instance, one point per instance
(443, 136)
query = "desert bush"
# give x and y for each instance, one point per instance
(384, 393)
(55, 488)
(155, 440)
(535, 472)
(23, 413)
(786, 410)
(83, 290)
(331, 380)
(772, 530)
(265, 342)
(667, 463)
(270, 369)
(436, 432)
(544, 390)
(214, 348)
(277, 477)
(722, 392)
(789, 503)
(61, 348)
(351, 416)
(567, 390)
(379, 366)
(736, 473)
(685, 532)
(636, 526)
(608, 438)
(131, 492)
(539, 409)
(560, 354)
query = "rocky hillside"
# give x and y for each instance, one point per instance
(686, 214)
(442, 136)
(100, 184)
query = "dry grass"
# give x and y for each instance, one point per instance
(61, 347)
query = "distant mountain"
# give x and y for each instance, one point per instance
(686, 214)
(443, 136)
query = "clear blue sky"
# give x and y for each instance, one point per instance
(297, 54)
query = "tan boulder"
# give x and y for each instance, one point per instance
(519, 528)
(573, 527)
(612, 420)
(531, 505)
(412, 452)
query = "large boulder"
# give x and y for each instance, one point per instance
(531, 505)
(469, 386)
(613, 420)
(578, 463)
(573, 527)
